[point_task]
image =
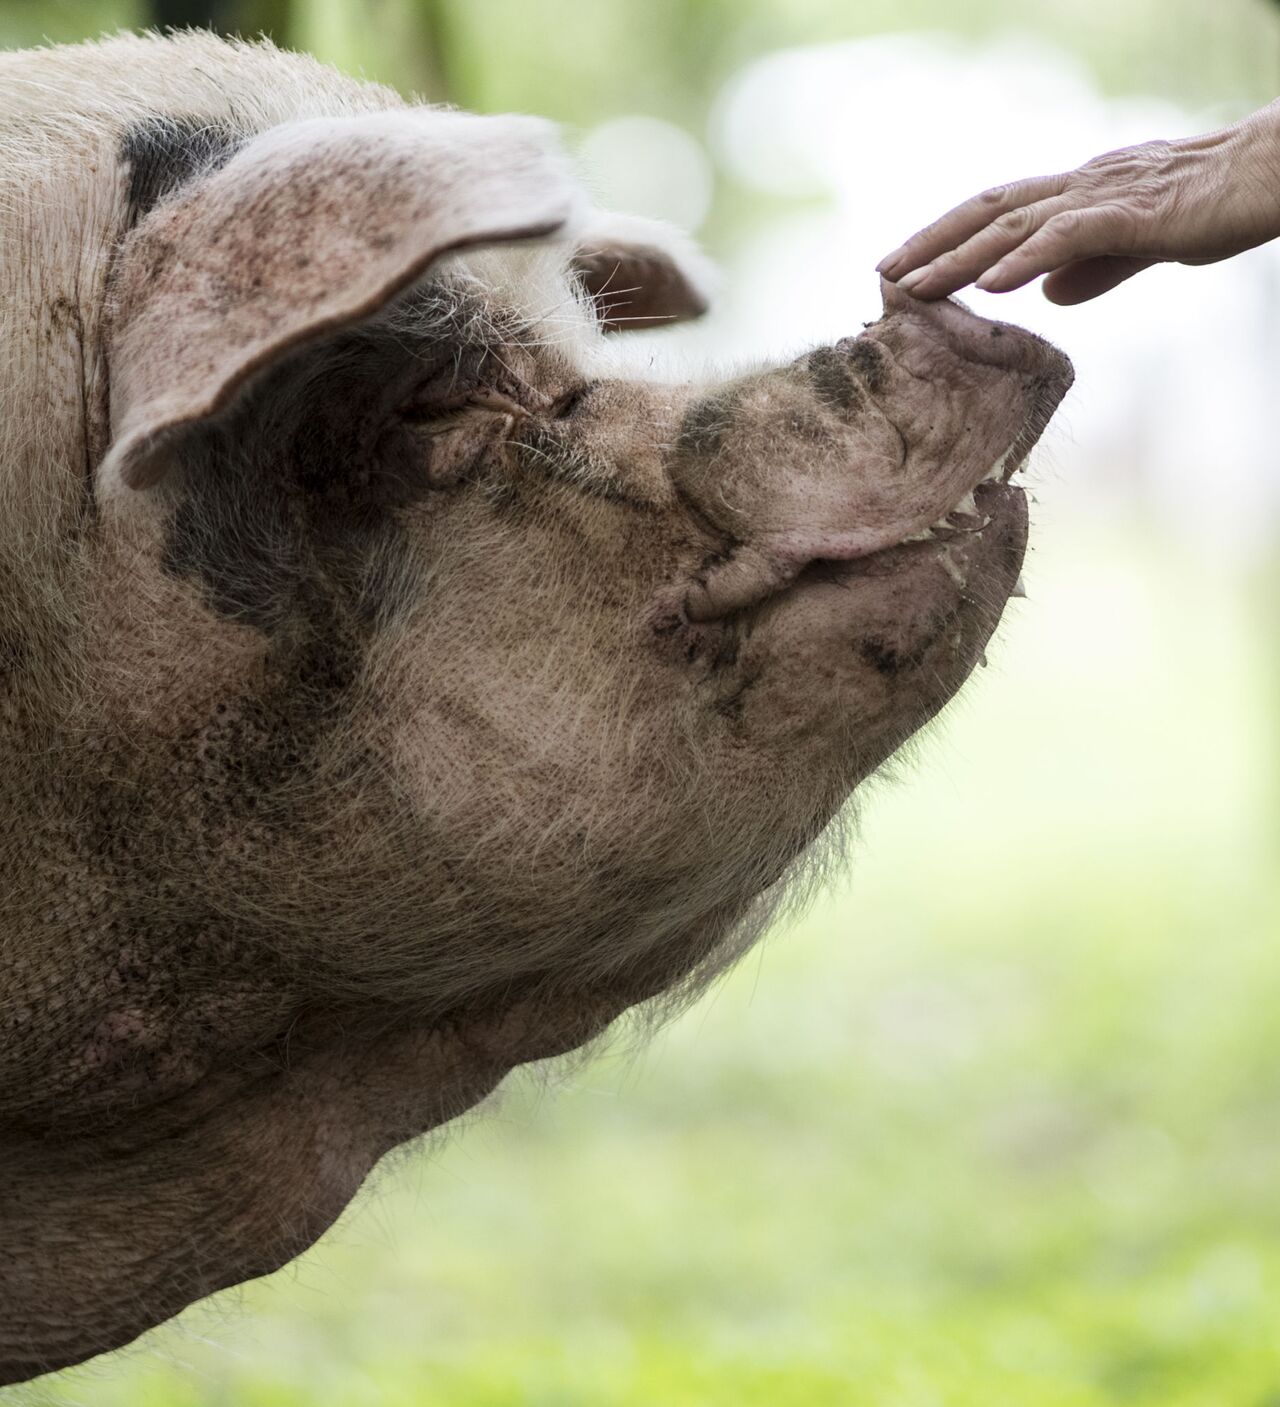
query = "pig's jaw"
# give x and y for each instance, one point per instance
(903, 626)
(970, 516)
(772, 564)
(953, 543)
(961, 517)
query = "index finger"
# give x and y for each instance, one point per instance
(965, 220)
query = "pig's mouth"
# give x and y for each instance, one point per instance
(992, 499)
(758, 573)
(939, 508)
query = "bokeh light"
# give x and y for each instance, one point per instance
(646, 166)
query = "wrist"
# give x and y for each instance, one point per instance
(1252, 166)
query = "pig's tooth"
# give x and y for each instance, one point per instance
(997, 469)
(1019, 587)
(957, 574)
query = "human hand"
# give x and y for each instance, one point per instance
(1192, 201)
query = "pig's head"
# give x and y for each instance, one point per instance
(436, 689)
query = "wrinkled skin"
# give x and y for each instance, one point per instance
(448, 695)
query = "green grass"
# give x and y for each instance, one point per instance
(997, 1123)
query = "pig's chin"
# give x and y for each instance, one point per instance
(940, 590)
(886, 639)
(954, 566)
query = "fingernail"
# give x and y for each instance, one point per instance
(889, 260)
(991, 276)
(915, 278)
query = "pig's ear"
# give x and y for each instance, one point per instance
(641, 273)
(309, 228)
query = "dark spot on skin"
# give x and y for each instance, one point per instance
(881, 656)
(888, 660)
(171, 981)
(704, 425)
(163, 154)
(65, 317)
(997, 332)
(868, 360)
(829, 373)
(300, 484)
(569, 404)
(244, 555)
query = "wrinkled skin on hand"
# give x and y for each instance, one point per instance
(1191, 201)
(409, 689)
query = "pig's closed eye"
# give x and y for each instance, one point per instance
(443, 436)
(569, 403)
(448, 409)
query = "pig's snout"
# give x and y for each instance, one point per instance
(977, 339)
(863, 446)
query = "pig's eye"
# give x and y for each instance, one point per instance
(569, 403)
(449, 409)
(444, 435)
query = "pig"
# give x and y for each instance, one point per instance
(400, 680)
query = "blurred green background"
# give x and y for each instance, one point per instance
(999, 1120)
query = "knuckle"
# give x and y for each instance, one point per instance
(1015, 222)
(1119, 223)
(995, 196)
(1066, 224)
(1092, 229)
(1061, 230)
